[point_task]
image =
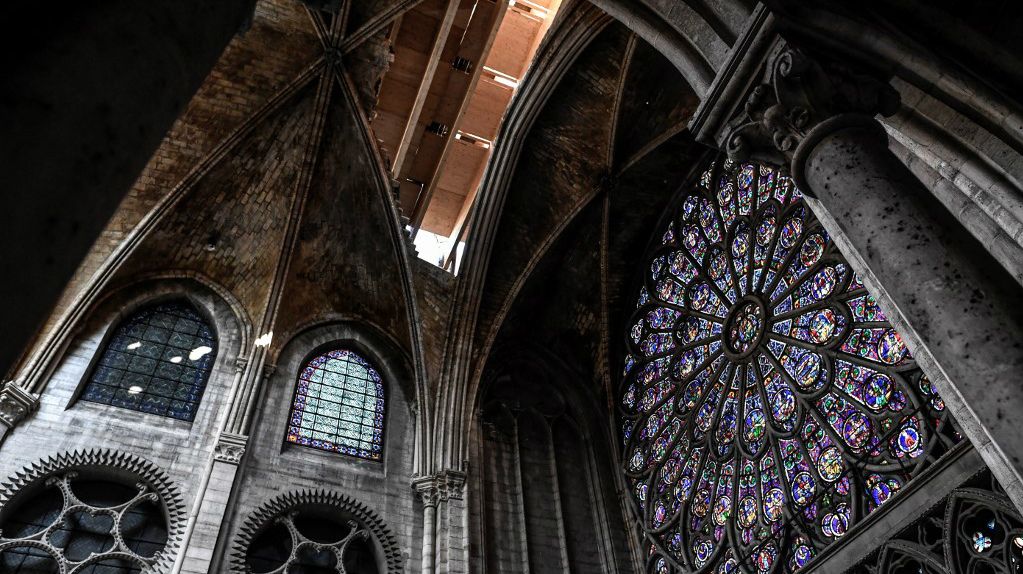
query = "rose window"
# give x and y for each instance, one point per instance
(767, 404)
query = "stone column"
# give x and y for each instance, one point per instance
(85, 105)
(428, 491)
(443, 521)
(205, 524)
(213, 494)
(959, 311)
(450, 548)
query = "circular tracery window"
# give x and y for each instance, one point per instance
(767, 403)
(312, 540)
(82, 525)
(315, 532)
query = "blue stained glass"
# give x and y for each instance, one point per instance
(158, 361)
(758, 368)
(339, 406)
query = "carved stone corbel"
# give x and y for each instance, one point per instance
(796, 95)
(230, 448)
(15, 404)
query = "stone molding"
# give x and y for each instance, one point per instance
(230, 448)
(733, 78)
(115, 465)
(15, 404)
(284, 504)
(796, 94)
(947, 554)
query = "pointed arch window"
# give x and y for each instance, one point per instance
(339, 406)
(157, 362)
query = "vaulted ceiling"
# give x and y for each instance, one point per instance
(273, 172)
(597, 170)
(275, 183)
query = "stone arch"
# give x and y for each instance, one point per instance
(385, 543)
(323, 333)
(311, 469)
(538, 473)
(217, 306)
(114, 304)
(112, 465)
(99, 425)
(455, 403)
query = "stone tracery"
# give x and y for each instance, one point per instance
(85, 511)
(315, 529)
(767, 404)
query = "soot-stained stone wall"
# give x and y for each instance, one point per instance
(180, 448)
(256, 65)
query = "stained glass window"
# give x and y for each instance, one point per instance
(158, 362)
(339, 406)
(767, 404)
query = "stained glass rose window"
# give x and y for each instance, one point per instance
(766, 403)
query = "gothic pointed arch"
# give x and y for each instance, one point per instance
(544, 499)
(158, 361)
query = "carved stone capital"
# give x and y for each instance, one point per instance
(427, 490)
(15, 404)
(230, 448)
(440, 487)
(452, 484)
(269, 370)
(797, 94)
(240, 363)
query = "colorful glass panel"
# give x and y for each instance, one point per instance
(767, 405)
(339, 406)
(158, 362)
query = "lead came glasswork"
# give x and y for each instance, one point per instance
(339, 406)
(761, 381)
(157, 362)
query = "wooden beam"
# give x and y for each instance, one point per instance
(419, 211)
(436, 50)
